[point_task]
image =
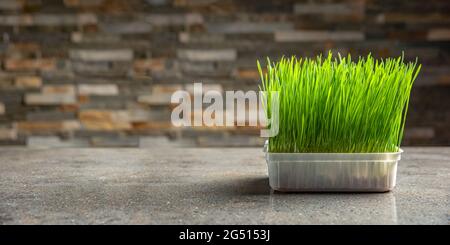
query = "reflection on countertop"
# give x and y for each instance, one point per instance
(202, 186)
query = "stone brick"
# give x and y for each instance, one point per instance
(155, 99)
(193, 3)
(355, 7)
(6, 83)
(103, 115)
(102, 69)
(160, 95)
(82, 3)
(105, 125)
(50, 115)
(15, 20)
(10, 97)
(48, 19)
(247, 130)
(43, 141)
(24, 47)
(8, 133)
(444, 79)
(250, 74)
(207, 55)
(174, 19)
(154, 65)
(155, 141)
(419, 133)
(310, 36)
(135, 27)
(54, 142)
(128, 141)
(52, 95)
(67, 89)
(28, 82)
(166, 89)
(109, 102)
(157, 2)
(139, 114)
(149, 115)
(186, 37)
(438, 35)
(230, 141)
(102, 55)
(205, 88)
(411, 18)
(91, 68)
(98, 89)
(70, 125)
(43, 127)
(197, 68)
(425, 54)
(65, 19)
(104, 120)
(152, 125)
(44, 64)
(195, 132)
(49, 99)
(11, 5)
(248, 27)
(80, 37)
(68, 108)
(432, 76)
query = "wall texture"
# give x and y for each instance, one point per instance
(100, 73)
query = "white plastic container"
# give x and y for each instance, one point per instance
(332, 172)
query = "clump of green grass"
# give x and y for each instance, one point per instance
(334, 104)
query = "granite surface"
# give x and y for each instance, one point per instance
(202, 186)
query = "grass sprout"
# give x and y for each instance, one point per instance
(335, 104)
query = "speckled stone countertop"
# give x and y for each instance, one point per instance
(202, 186)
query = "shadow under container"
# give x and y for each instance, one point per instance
(332, 172)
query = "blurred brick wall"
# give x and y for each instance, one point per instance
(100, 73)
